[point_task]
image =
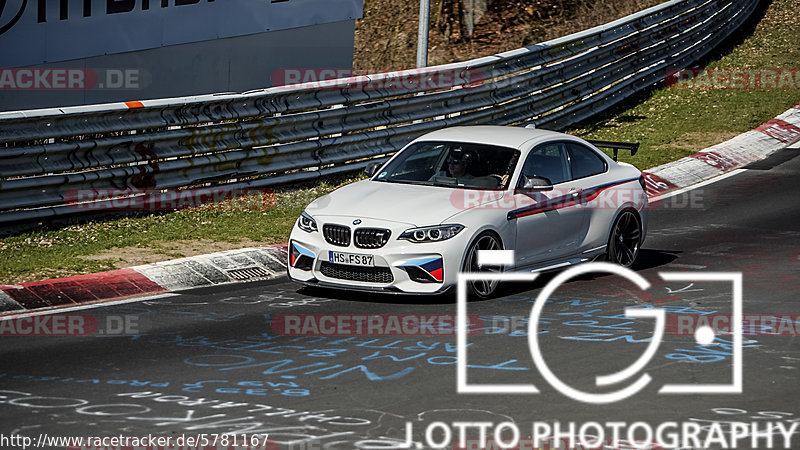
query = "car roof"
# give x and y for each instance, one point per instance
(506, 136)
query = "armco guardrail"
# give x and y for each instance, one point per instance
(289, 134)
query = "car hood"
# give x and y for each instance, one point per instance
(402, 203)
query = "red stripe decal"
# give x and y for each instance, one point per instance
(566, 204)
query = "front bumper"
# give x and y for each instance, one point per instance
(399, 266)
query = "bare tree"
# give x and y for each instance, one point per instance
(450, 20)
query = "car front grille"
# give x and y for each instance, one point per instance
(338, 235)
(371, 237)
(356, 273)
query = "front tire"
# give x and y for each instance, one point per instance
(625, 239)
(482, 289)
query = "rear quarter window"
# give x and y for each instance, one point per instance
(584, 161)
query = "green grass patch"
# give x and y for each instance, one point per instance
(672, 123)
(99, 245)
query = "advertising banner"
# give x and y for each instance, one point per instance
(40, 31)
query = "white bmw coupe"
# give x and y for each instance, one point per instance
(422, 217)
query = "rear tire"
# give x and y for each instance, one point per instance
(625, 239)
(482, 289)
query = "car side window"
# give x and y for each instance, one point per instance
(548, 161)
(584, 162)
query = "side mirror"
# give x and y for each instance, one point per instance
(372, 168)
(534, 183)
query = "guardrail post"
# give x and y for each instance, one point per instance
(422, 36)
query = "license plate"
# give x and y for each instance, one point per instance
(351, 259)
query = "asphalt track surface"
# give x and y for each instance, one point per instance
(210, 360)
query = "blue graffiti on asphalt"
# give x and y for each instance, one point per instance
(41, 378)
(258, 388)
(719, 350)
(406, 353)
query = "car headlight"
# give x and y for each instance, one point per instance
(307, 223)
(431, 234)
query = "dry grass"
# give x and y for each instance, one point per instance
(386, 37)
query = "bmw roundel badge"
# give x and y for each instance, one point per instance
(357, 222)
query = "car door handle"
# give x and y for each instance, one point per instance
(578, 195)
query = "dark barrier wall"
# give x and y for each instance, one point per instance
(75, 52)
(222, 65)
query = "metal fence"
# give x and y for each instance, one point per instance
(290, 134)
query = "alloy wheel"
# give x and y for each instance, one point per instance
(626, 237)
(482, 288)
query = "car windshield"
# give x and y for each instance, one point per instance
(452, 164)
